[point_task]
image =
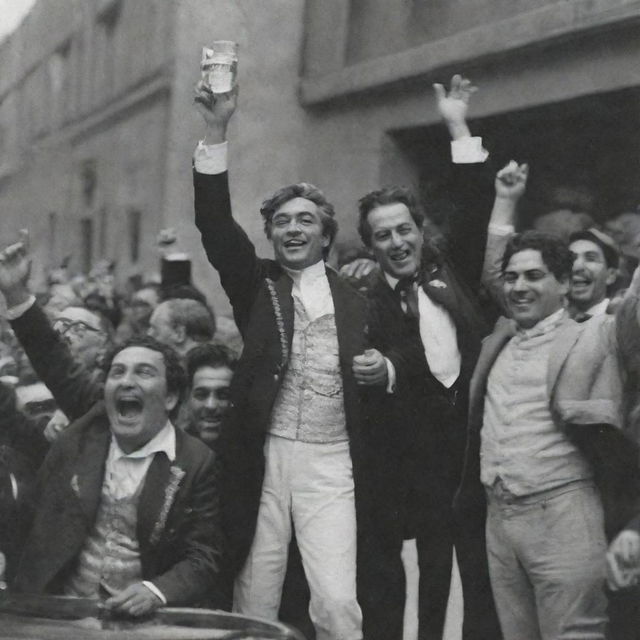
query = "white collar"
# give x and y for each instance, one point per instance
(599, 309)
(164, 440)
(391, 281)
(545, 325)
(307, 274)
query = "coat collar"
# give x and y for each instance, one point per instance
(88, 478)
(491, 347)
(89, 471)
(349, 309)
(505, 329)
(282, 287)
(564, 341)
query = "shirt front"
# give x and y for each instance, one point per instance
(311, 287)
(520, 442)
(112, 542)
(125, 471)
(438, 335)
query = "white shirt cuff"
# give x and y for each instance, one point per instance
(501, 229)
(391, 376)
(211, 158)
(13, 313)
(156, 592)
(468, 150)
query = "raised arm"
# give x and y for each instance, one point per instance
(227, 246)
(510, 185)
(471, 188)
(71, 384)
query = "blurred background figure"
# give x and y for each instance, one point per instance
(209, 371)
(36, 403)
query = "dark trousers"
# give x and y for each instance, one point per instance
(434, 543)
(381, 581)
(624, 614)
(413, 499)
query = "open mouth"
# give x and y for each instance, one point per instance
(129, 408)
(399, 256)
(580, 283)
(521, 303)
(294, 244)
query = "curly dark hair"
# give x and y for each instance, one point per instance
(307, 191)
(380, 197)
(209, 355)
(553, 249)
(175, 374)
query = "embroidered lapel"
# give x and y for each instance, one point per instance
(282, 306)
(153, 498)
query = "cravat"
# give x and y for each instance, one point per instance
(582, 316)
(408, 297)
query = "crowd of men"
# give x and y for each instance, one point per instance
(477, 392)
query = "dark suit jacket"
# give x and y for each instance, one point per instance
(180, 555)
(183, 560)
(417, 425)
(22, 449)
(260, 293)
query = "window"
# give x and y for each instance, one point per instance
(51, 234)
(89, 178)
(58, 70)
(104, 230)
(105, 50)
(86, 244)
(135, 224)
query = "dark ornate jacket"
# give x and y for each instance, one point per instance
(260, 293)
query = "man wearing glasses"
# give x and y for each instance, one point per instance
(87, 333)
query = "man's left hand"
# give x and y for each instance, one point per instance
(370, 368)
(135, 600)
(623, 560)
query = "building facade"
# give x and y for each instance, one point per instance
(97, 126)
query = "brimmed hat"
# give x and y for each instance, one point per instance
(606, 243)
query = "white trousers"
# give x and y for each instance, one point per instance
(311, 486)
